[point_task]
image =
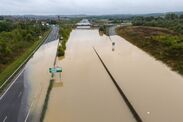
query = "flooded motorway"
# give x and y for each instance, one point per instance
(36, 78)
(86, 93)
(153, 89)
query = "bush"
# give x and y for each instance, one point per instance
(64, 32)
(102, 28)
(170, 21)
(61, 51)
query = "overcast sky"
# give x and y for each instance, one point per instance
(91, 7)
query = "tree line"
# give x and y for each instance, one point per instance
(65, 30)
(171, 21)
(16, 37)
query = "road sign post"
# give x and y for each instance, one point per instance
(55, 70)
(113, 46)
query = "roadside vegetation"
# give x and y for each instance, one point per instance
(170, 21)
(64, 33)
(65, 30)
(18, 39)
(103, 29)
(161, 37)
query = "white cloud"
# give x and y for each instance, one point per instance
(88, 6)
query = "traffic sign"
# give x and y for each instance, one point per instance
(59, 69)
(54, 70)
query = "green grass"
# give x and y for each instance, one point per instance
(65, 33)
(10, 69)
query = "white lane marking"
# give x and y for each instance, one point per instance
(4, 120)
(29, 112)
(20, 94)
(12, 84)
(34, 99)
(11, 76)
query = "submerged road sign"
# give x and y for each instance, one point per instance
(54, 70)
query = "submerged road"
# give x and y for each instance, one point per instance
(151, 87)
(91, 92)
(86, 92)
(14, 106)
(98, 84)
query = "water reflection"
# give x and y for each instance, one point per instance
(58, 84)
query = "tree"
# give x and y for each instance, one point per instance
(149, 18)
(1, 18)
(29, 37)
(181, 16)
(4, 49)
(137, 21)
(171, 16)
(179, 28)
(61, 51)
(5, 26)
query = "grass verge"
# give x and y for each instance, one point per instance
(10, 69)
(65, 33)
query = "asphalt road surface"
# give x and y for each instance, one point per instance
(13, 102)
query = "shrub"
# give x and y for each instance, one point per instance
(61, 51)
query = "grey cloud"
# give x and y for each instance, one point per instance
(88, 6)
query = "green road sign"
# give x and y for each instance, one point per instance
(59, 69)
(52, 70)
(55, 70)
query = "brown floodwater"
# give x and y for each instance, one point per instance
(153, 89)
(37, 78)
(86, 93)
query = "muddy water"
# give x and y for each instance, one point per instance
(85, 92)
(153, 89)
(37, 77)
